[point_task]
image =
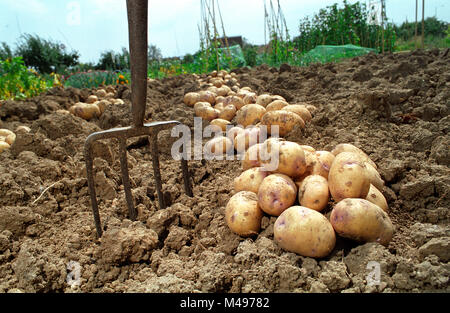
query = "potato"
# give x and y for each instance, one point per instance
(276, 105)
(228, 112)
(110, 95)
(222, 124)
(207, 113)
(375, 196)
(291, 158)
(213, 74)
(201, 104)
(264, 100)
(311, 108)
(304, 231)
(278, 97)
(220, 99)
(223, 91)
(323, 164)
(207, 96)
(118, 102)
(110, 89)
(308, 148)
(243, 214)
(347, 147)
(217, 82)
(218, 146)
(86, 111)
(102, 104)
(283, 119)
(249, 98)
(61, 111)
(219, 106)
(313, 192)
(250, 180)
(101, 93)
(361, 220)
(374, 177)
(234, 100)
(347, 177)
(92, 99)
(311, 161)
(233, 132)
(23, 128)
(252, 157)
(9, 136)
(247, 89)
(276, 193)
(250, 114)
(300, 110)
(247, 138)
(3, 146)
(191, 98)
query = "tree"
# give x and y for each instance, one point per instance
(44, 55)
(154, 53)
(5, 51)
(110, 60)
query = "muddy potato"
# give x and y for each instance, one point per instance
(323, 164)
(233, 132)
(102, 104)
(311, 108)
(374, 177)
(276, 193)
(313, 192)
(246, 88)
(311, 161)
(207, 96)
(110, 95)
(243, 214)
(234, 100)
(101, 93)
(3, 146)
(249, 98)
(304, 231)
(220, 99)
(347, 147)
(118, 102)
(218, 146)
(201, 104)
(249, 137)
(252, 157)
(222, 124)
(228, 112)
(300, 110)
(361, 220)
(264, 100)
(9, 136)
(219, 106)
(375, 196)
(348, 177)
(223, 91)
(92, 99)
(207, 113)
(276, 105)
(278, 97)
(86, 111)
(291, 158)
(191, 98)
(250, 114)
(283, 119)
(250, 180)
(23, 128)
(217, 82)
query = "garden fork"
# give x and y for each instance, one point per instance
(137, 11)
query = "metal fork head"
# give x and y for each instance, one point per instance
(122, 134)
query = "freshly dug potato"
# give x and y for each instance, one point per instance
(222, 124)
(218, 146)
(249, 98)
(348, 147)
(283, 119)
(247, 138)
(252, 157)
(201, 104)
(291, 158)
(62, 111)
(250, 180)
(300, 110)
(217, 82)
(191, 98)
(374, 177)
(313, 192)
(323, 164)
(102, 104)
(9, 136)
(223, 91)
(23, 128)
(247, 89)
(276, 193)
(347, 177)
(304, 231)
(86, 111)
(101, 93)
(250, 114)
(3, 146)
(207, 96)
(264, 100)
(110, 89)
(375, 196)
(219, 106)
(278, 97)
(243, 215)
(207, 113)
(234, 100)
(234, 131)
(276, 105)
(220, 99)
(228, 112)
(361, 220)
(110, 95)
(92, 99)
(213, 89)
(118, 102)
(308, 148)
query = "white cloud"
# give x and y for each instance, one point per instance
(36, 7)
(108, 8)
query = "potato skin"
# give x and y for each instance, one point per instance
(276, 193)
(207, 96)
(291, 158)
(3, 146)
(219, 146)
(228, 112)
(374, 177)
(234, 100)
(324, 161)
(375, 196)
(348, 177)
(191, 98)
(9, 135)
(243, 214)
(207, 113)
(300, 110)
(276, 105)
(304, 231)
(361, 220)
(264, 99)
(313, 192)
(86, 111)
(250, 114)
(252, 157)
(348, 147)
(249, 137)
(221, 123)
(250, 180)
(283, 119)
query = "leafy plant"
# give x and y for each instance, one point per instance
(91, 79)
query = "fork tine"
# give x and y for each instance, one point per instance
(126, 178)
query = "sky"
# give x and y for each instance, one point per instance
(93, 26)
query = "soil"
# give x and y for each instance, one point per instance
(394, 106)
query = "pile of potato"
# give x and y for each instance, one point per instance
(95, 104)
(225, 101)
(301, 187)
(8, 137)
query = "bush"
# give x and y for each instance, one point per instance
(91, 79)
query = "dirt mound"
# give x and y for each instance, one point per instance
(394, 106)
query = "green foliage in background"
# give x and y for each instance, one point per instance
(92, 79)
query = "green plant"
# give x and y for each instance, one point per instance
(19, 82)
(91, 79)
(112, 61)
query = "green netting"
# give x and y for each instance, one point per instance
(326, 53)
(236, 56)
